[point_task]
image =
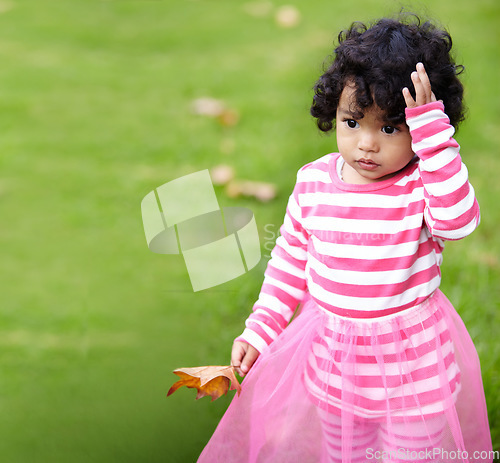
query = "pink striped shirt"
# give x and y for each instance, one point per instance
(366, 251)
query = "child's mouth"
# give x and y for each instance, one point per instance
(367, 164)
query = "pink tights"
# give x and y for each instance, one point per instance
(373, 441)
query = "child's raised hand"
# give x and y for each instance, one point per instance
(243, 356)
(422, 85)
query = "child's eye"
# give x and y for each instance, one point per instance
(389, 129)
(351, 123)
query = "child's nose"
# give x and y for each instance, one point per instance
(367, 141)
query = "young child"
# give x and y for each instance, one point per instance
(377, 366)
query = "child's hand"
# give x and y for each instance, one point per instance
(243, 356)
(423, 91)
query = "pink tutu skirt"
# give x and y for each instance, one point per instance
(330, 389)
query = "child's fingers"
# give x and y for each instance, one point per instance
(410, 102)
(243, 356)
(423, 89)
(249, 359)
(237, 354)
(424, 79)
(420, 98)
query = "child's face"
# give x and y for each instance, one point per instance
(372, 148)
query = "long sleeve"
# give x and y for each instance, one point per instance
(451, 209)
(284, 281)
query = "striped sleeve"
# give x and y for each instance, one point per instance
(451, 209)
(284, 281)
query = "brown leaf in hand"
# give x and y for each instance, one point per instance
(210, 380)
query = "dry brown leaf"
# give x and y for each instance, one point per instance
(221, 174)
(228, 117)
(259, 190)
(288, 16)
(212, 381)
(217, 109)
(207, 106)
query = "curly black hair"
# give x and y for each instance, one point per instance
(379, 60)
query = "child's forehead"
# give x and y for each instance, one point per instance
(349, 106)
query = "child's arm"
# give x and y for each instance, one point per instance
(451, 211)
(283, 288)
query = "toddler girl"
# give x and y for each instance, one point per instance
(377, 366)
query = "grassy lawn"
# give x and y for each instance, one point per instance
(95, 112)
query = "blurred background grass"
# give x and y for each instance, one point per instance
(95, 112)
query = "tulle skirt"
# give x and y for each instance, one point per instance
(330, 389)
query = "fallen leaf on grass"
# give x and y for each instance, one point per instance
(207, 106)
(228, 117)
(259, 190)
(214, 108)
(287, 16)
(213, 381)
(221, 174)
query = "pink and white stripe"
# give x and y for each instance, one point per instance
(398, 363)
(396, 445)
(368, 251)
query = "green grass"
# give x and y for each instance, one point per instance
(95, 113)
